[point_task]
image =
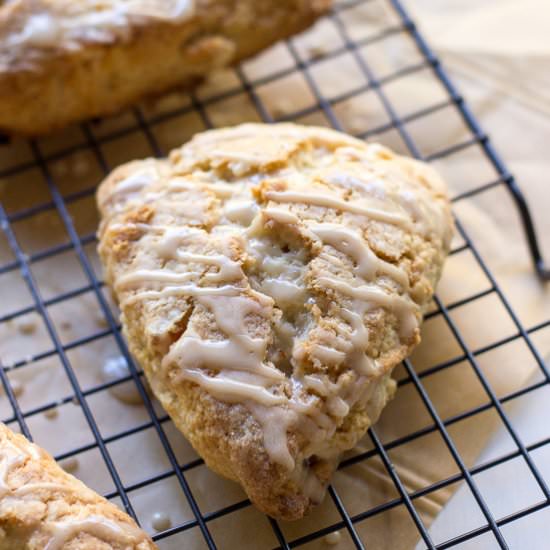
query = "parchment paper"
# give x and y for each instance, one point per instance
(487, 70)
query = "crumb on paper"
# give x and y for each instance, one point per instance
(17, 387)
(81, 165)
(161, 521)
(61, 168)
(316, 51)
(282, 108)
(51, 413)
(115, 369)
(26, 326)
(357, 119)
(69, 464)
(101, 322)
(333, 538)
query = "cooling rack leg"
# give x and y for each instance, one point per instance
(543, 271)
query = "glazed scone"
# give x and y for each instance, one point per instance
(62, 61)
(43, 507)
(270, 278)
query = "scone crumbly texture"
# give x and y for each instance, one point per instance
(62, 61)
(43, 507)
(270, 277)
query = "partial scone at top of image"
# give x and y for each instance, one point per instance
(43, 507)
(270, 277)
(63, 61)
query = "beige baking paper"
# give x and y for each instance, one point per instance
(518, 120)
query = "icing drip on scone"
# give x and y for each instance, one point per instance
(240, 372)
(328, 201)
(14, 454)
(281, 282)
(368, 264)
(68, 25)
(11, 456)
(99, 527)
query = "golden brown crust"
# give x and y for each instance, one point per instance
(356, 234)
(45, 87)
(41, 504)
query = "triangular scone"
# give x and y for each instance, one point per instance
(66, 60)
(41, 506)
(270, 277)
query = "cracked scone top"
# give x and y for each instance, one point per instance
(41, 506)
(270, 278)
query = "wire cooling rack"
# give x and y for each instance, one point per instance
(94, 137)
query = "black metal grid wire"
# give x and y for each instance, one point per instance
(61, 204)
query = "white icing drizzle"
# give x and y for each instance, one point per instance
(75, 23)
(240, 373)
(136, 278)
(96, 526)
(359, 340)
(134, 183)
(328, 201)
(228, 270)
(349, 242)
(31, 488)
(241, 350)
(312, 381)
(275, 423)
(337, 406)
(183, 290)
(284, 292)
(169, 238)
(238, 359)
(232, 391)
(328, 355)
(241, 211)
(11, 455)
(282, 216)
(404, 309)
(129, 187)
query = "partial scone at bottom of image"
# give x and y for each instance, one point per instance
(63, 61)
(44, 508)
(270, 277)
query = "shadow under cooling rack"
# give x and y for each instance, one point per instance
(372, 86)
